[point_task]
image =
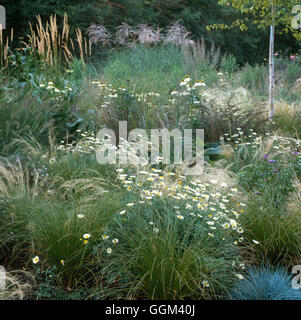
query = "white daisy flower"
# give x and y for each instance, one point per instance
(36, 259)
(205, 283)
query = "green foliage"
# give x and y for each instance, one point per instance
(56, 231)
(293, 73)
(68, 167)
(140, 69)
(47, 288)
(260, 11)
(277, 231)
(168, 258)
(50, 197)
(268, 178)
(229, 64)
(22, 113)
(289, 123)
(23, 64)
(256, 79)
(195, 15)
(32, 113)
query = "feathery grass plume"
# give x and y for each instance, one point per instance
(79, 39)
(123, 33)
(218, 175)
(244, 155)
(201, 48)
(197, 54)
(215, 54)
(95, 187)
(51, 44)
(16, 181)
(283, 107)
(27, 143)
(18, 184)
(18, 285)
(297, 85)
(177, 34)
(147, 35)
(4, 49)
(99, 34)
(29, 117)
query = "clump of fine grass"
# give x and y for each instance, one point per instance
(47, 214)
(266, 283)
(256, 79)
(25, 114)
(18, 285)
(16, 184)
(287, 118)
(54, 229)
(57, 230)
(16, 181)
(166, 258)
(277, 231)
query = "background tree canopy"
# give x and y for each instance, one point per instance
(195, 15)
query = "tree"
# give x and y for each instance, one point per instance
(266, 13)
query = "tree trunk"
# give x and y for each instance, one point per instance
(272, 66)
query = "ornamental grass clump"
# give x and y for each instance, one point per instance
(173, 240)
(266, 283)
